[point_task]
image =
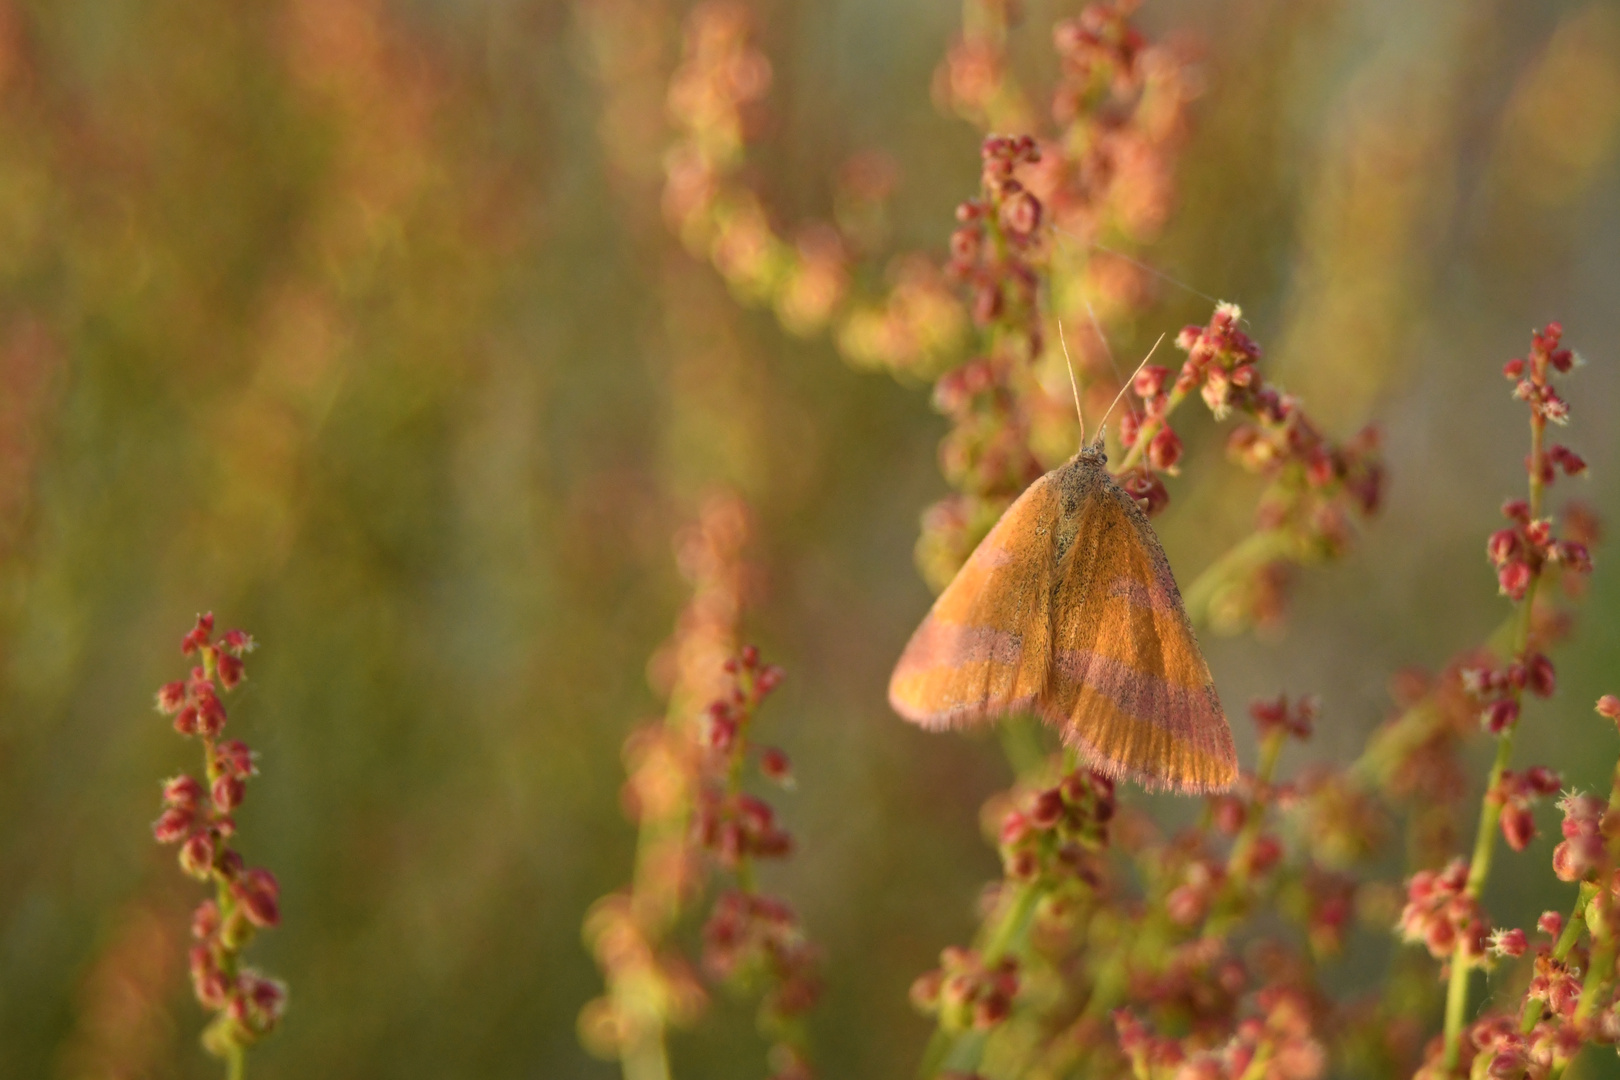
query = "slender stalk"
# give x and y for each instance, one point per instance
(1145, 433)
(1479, 867)
(1008, 933)
(1006, 936)
(1240, 560)
(1530, 1015)
(1227, 907)
(1262, 1060)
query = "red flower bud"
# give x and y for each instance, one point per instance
(1550, 923)
(182, 791)
(718, 733)
(170, 697)
(991, 1010)
(199, 634)
(1609, 706)
(1165, 450)
(1576, 857)
(1503, 545)
(1518, 827)
(925, 991)
(1500, 716)
(1542, 780)
(238, 642)
(266, 1000)
(1265, 854)
(205, 920)
(1514, 579)
(965, 245)
(207, 981)
(230, 671)
(173, 824)
(768, 679)
(1014, 827)
(1149, 382)
(1513, 369)
(210, 714)
(197, 854)
(1540, 676)
(234, 756)
(775, 766)
(1021, 213)
(1147, 489)
(1568, 460)
(1511, 943)
(1046, 810)
(1574, 555)
(258, 893)
(227, 793)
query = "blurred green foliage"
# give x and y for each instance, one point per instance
(357, 322)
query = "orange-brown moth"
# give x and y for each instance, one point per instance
(1068, 610)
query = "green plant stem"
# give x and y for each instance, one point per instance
(1145, 433)
(1257, 1067)
(1228, 906)
(1530, 1015)
(1006, 936)
(1008, 933)
(1240, 560)
(647, 1058)
(1021, 742)
(236, 1063)
(1479, 867)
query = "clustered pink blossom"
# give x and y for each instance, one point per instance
(685, 790)
(1439, 913)
(198, 815)
(965, 992)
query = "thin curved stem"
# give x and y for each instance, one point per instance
(1479, 867)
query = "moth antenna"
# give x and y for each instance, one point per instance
(1102, 428)
(1078, 411)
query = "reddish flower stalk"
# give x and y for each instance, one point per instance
(199, 816)
(1522, 553)
(753, 942)
(685, 791)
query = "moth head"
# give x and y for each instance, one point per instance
(1094, 454)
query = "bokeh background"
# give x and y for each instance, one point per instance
(357, 322)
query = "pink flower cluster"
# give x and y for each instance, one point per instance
(1532, 381)
(729, 823)
(751, 939)
(198, 816)
(1056, 830)
(998, 230)
(1439, 913)
(964, 992)
(1521, 550)
(1517, 793)
(1279, 1044)
(686, 787)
